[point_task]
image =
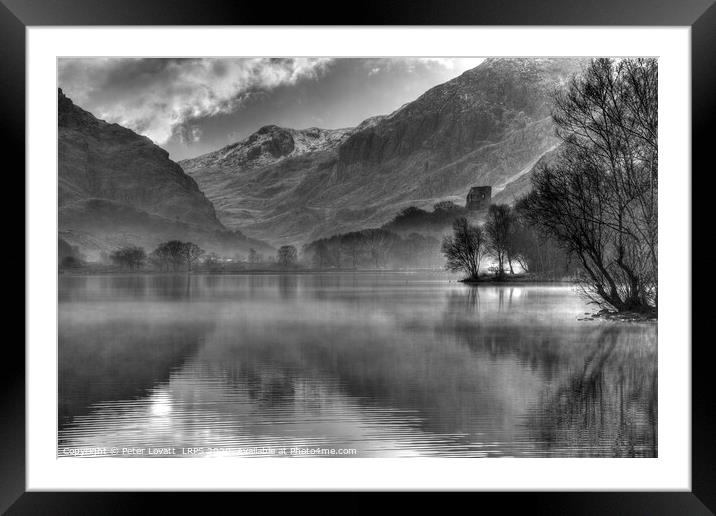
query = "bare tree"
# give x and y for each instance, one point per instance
(537, 252)
(168, 255)
(465, 249)
(287, 256)
(175, 254)
(130, 257)
(378, 243)
(319, 253)
(500, 228)
(190, 252)
(599, 199)
(352, 245)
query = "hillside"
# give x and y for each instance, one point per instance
(520, 184)
(488, 126)
(116, 187)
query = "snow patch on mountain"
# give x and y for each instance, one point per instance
(271, 144)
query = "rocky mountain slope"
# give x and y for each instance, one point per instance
(269, 145)
(518, 185)
(488, 126)
(117, 188)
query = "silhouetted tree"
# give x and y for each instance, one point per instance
(70, 262)
(536, 251)
(371, 247)
(175, 254)
(65, 251)
(599, 199)
(167, 255)
(287, 256)
(130, 257)
(190, 253)
(417, 219)
(378, 243)
(465, 248)
(352, 245)
(500, 227)
(320, 254)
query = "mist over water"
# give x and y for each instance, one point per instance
(389, 364)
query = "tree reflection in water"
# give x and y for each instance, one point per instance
(600, 391)
(390, 364)
(607, 403)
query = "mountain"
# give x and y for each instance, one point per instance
(269, 145)
(117, 188)
(488, 126)
(520, 184)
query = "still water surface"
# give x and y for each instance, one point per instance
(392, 364)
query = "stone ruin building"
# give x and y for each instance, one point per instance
(479, 198)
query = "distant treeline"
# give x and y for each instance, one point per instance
(505, 243)
(373, 248)
(177, 256)
(413, 219)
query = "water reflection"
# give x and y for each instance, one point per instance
(603, 402)
(388, 364)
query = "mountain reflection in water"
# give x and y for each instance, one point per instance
(392, 364)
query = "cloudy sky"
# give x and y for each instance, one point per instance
(193, 106)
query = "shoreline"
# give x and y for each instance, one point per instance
(516, 279)
(110, 272)
(487, 281)
(612, 315)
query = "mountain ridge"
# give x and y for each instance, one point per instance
(271, 143)
(100, 160)
(481, 128)
(116, 187)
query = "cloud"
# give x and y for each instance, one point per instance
(187, 134)
(161, 97)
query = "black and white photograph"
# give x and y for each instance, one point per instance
(357, 257)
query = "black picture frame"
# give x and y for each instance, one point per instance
(17, 15)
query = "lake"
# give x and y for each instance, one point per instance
(347, 364)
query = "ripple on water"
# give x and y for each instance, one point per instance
(389, 365)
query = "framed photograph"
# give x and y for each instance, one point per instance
(417, 250)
